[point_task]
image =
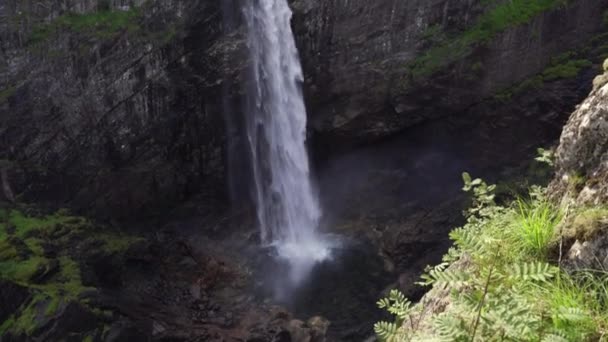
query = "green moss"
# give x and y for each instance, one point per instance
(585, 224)
(89, 338)
(560, 68)
(26, 321)
(52, 306)
(101, 24)
(7, 250)
(7, 325)
(568, 69)
(19, 263)
(21, 271)
(499, 18)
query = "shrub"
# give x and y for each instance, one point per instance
(501, 286)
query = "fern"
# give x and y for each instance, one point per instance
(502, 288)
(387, 331)
(450, 328)
(446, 277)
(533, 271)
(571, 314)
(398, 305)
(554, 338)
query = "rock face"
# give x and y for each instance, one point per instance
(374, 68)
(121, 108)
(115, 110)
(581, 180)
(582, 156)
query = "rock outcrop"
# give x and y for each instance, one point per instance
(581, 181)
(582, 155)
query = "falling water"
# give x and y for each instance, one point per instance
(287, 207)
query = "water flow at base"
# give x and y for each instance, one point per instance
(287, 206)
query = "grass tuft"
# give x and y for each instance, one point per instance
(535, 225)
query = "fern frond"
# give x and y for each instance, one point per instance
(554, 338)
(537, 271)
(386, 331)
(450, 328)
(467, 240)
(571, 314)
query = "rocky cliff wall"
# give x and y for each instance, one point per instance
(375, 68)
(112, 105)
(121, 106)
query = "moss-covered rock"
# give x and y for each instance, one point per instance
(47, 254)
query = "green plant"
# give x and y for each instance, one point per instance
(585, 223)
(545, 156)
(499, 17)
(103, 24)
(22, 256)
(536, 224)
(400, 307)
(501, 285)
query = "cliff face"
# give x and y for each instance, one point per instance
(112, 105)
(121, 106)
(581, 181)
(375, 68)
(582, 155)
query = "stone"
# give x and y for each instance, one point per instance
(583, 152)
(12, 296)
(585, 255)
(600, 81)
(318, 326)
(298, 331)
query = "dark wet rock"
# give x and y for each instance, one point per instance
(140, 251)
(12, 296)
(45, 271)
(131, 125)
(357, 57)
(121, 125)
(50, 250)
(72, 319)
(125, 332)
(102, 270)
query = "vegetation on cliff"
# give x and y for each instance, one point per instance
(101, 24)
(45, 254)
(498, 18)
(506, 279)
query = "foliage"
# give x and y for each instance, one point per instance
(104, 24)
(536, 222)
(498, 18)
(23, 256)
(561, 67)
(399, 306)
(545, 156)
(502, 284)
(585, 223)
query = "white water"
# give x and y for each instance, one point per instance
(287, 207)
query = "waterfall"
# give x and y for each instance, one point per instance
(288, 209)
